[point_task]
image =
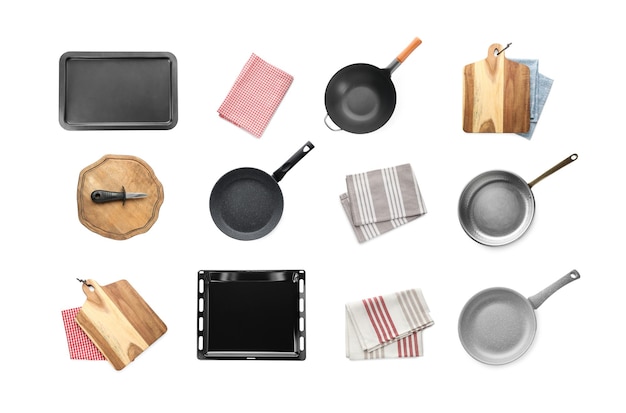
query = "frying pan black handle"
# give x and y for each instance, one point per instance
(295, 158)
(538, 299)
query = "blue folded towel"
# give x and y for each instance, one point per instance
(540, 86)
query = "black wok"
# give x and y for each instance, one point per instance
(360, 98)
(247, 203)
(497, 207)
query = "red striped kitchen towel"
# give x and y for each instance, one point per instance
(387, 326)
(79, 344)
(253, 99)
(381, 200)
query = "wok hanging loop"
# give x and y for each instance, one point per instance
(329, 126)
(555, 168)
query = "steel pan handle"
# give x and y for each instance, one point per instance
(555, 168)
(295, 158)
(538, 299)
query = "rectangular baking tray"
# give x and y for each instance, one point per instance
(251, 315)
(118, 90)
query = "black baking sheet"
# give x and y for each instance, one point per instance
(118, 90)
(251, 315)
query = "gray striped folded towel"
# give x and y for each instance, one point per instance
(381, 200)
(387, 326)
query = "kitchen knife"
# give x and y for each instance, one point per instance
(100, 196)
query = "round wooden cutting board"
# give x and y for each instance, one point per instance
(119, 220)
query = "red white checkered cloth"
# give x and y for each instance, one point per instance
(255, 96)
(79, 344)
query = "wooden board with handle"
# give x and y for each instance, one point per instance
(118, 321)
(496, 95)
(119, 220)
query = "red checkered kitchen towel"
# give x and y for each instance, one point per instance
(255, 96)
(79, 344)
(387, 326)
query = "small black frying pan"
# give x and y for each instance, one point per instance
(360, 98)
(247, 203)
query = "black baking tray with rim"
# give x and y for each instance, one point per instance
(118, 90)
(251, 315)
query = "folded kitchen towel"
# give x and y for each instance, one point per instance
(256, 94)
(381, 200)
(540, 87)
(387, 326)
(79, 344)
(544, 85)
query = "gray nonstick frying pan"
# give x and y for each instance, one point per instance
(497, 207)
(498, 325)
(247, 203)
(360, 98)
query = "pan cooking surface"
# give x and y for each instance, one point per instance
(361, 103)
(497, 326)
(496, 208)
(360, 98)
(246, 203)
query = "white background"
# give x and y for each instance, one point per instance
(576, 362)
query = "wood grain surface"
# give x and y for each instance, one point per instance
(115, 219)
(496, 95)
(118, 321)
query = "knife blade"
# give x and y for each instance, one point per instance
(100, 196)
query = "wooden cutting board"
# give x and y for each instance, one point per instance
(496, 95)
(115, 219)
(118, 321)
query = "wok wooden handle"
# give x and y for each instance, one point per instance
(409, 49)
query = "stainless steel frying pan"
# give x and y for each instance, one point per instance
(497, 207)
(498, 325)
